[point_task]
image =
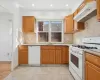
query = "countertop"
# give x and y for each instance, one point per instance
(96, 52)
(93, 52)
(63, 44)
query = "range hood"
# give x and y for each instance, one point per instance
(87, 12)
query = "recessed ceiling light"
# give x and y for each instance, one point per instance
(33, 5)
(67, 5)
(51, 5)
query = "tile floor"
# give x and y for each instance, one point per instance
(4, 70)
(41, 73)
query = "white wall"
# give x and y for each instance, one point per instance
(5, 37)
(11, 7)
(46, 14)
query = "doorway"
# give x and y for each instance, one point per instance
(6, 42)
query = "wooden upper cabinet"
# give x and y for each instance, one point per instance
(69, 24)
(98, 10)
(28, 23)
(23, 54)
(87, 1)
(78, 26)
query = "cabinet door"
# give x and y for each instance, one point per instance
(45, 56)
(28, 23)
(34, 55)
(51, 56)
(23, 54)
(92, 72)
(69, 24)
(98, 10)
(58, 57)
(65, 55)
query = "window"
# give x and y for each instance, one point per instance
(49, 31)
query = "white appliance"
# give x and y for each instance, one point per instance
(86, 12)
(34, 55)
(76, 62)
(76, 56)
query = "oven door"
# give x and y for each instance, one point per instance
(76, 63)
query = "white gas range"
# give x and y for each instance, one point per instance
(76, 56)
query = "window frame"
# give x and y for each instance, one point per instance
(49, 31)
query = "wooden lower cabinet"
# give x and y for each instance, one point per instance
(54, 55)
(58, 56)
(65, 55)
(92, 67)
(44, 56)
(92, 72)
(23, 54)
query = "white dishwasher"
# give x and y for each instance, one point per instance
(34, 55)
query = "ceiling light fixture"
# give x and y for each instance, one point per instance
(33, 5)
(67, 5)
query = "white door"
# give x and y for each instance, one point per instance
(34, 55)
(5, 38)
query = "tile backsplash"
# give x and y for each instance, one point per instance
(30, 38)
(68, 38)
(92, 29)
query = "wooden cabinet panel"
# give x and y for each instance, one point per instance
(69, 24)
(47, 47)
(98, 10)
(51, 56)
(23, 54)
(45, 56)
(92, 72)
(54, 55)
(58, 57)
(87, 1)
(59, 47)
(93, 59)
(65, 55)
(28, 23)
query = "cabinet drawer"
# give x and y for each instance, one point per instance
(93, 59)
(47, 47)
(23, 47)
(58, 47)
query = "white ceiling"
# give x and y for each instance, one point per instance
(45, 4)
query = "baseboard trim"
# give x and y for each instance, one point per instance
(43, 65)
(7, 62)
